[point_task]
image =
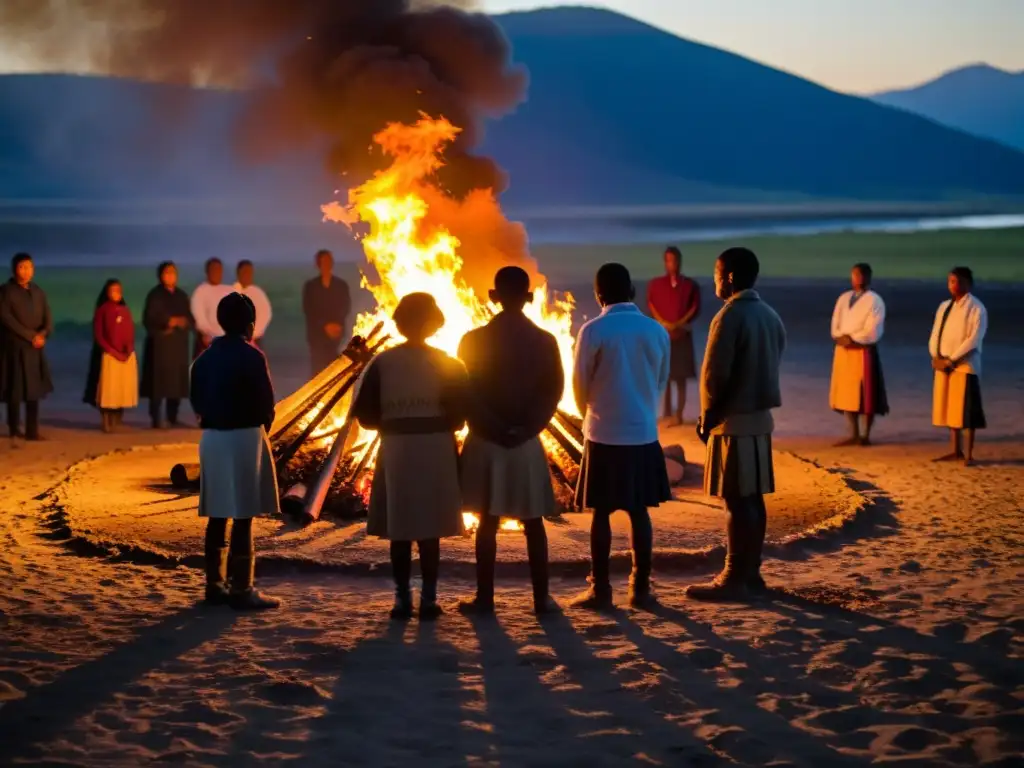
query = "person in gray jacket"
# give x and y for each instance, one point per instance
(739, 388)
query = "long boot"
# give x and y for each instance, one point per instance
(106, 421)
(217, 576)
(401, 568)
(244, 595)
(430, 564)
(242, 565)
(731, 583)
(759, 527)
(640, 595)
(537, 552)
(486, 552)
(599, 596)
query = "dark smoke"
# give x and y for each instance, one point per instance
(333, 71)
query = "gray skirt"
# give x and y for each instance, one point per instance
(237, 479)
(506, 482)
(739, 465)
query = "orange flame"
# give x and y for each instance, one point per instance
(410, 251)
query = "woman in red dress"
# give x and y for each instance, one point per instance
(113, 382)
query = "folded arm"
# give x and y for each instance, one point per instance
(874, 324)
(977, 326)
(13, 323)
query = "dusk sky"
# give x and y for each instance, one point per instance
(856, 46)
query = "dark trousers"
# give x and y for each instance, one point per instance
(641, 542)
(31, 418)
(430, 564)
(487, 554)
(156, 409)
(745, 528)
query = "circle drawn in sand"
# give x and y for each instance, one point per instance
(123, 502)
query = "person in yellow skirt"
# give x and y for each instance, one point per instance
(955, 348)
(858, 388)
(113, 381)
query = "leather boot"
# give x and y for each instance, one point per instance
(429, 608)
(759, 527)
(217, 576)
(731, 583)
(597, 598)
(640, 595)
(402, 609)
(244, 595)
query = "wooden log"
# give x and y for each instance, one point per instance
(565, 443)
(314, 501)
(185, 476)
(294, 501)
(572, 424)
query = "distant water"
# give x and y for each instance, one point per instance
(125, 242)
(555, 232)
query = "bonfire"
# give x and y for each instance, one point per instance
(324, 460)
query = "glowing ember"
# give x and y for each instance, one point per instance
(410, 252)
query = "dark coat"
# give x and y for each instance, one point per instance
(166, 355)
(24, 370)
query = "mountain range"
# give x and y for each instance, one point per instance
(618, 112)
(979, 99)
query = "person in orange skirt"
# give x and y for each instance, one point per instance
(858, 388)
(113, 381)
(955, 348)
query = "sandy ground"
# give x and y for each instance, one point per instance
(898, 640)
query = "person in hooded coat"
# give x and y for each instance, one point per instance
(113, 380)
(25, 327)
(168, 320)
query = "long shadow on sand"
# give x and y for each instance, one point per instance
(49, 710)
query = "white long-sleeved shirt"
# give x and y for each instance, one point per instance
(962, 334)
(619, 375)
(863, 320)
(262, 304)
(205, 299)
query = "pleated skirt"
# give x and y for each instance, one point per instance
(739, 465)
(118, 385)
(622, 477)
(956, 401)
(506, 482)
(237, 479)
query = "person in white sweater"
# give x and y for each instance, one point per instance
(205, 299)
(955, 348)
(246, 274)
(858, 387)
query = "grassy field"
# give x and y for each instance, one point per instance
(994, 255)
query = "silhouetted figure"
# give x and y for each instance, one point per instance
(112, 384)
(167, 317)
(25, 327)
(515, 383)
(326, 303)
(739, 387)
(232, 394)
(413, 394)
(955, 347)
(620, 372)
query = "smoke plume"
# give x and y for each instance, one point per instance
(316, 71)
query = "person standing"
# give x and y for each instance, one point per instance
(413, 395)
(168, 320)
(858, 387)
(674, 301)
(955, 348)
(113, 380)
(246, 273)
(205, 299)
(620, 370)
(26, 325)
(739, 387)
(233, 396)
(326, 303)
(515, 383)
